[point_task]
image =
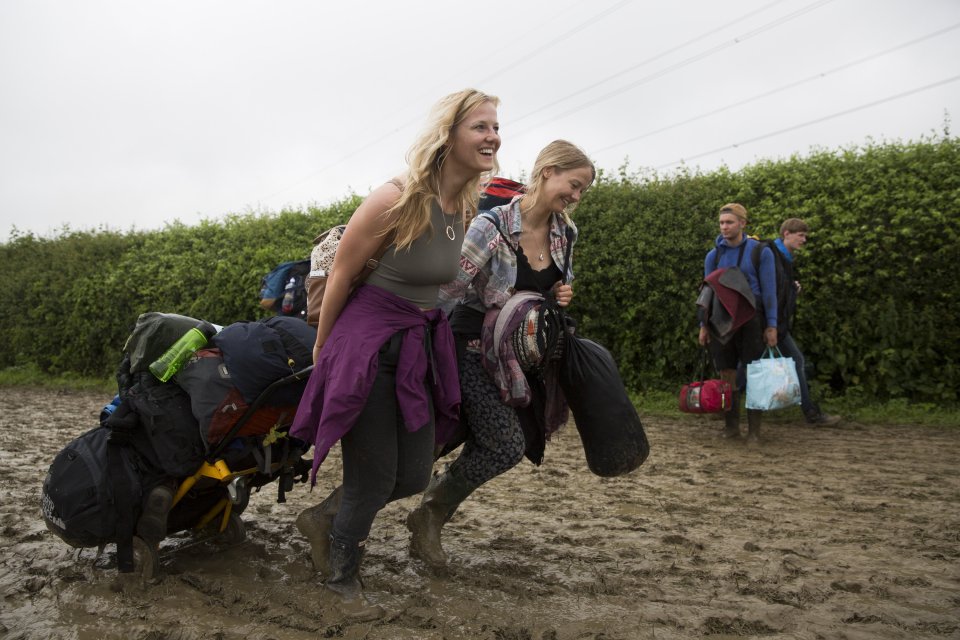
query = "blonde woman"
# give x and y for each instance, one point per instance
(523, 251)
(384, 382)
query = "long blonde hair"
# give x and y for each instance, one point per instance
(425, 160)
(562, 156)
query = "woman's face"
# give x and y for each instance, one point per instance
(475, 141)
(562, 188)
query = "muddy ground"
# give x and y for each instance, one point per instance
(846, 532)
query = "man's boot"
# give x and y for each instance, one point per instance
(443, 495)
(731, 419)
(316, 525)
(753, 426)
(817, 417)
(344, 585)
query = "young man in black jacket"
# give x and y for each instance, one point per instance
(793, 236)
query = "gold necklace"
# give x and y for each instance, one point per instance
(453, 216)
(543, 247)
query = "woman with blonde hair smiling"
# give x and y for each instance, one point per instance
(384, 381)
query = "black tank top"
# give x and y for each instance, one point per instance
(530, 280)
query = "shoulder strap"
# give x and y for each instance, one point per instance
(388, 239)
(758, 250)
(716, 255)
(566, 254)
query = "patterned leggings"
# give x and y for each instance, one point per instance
(495, 442)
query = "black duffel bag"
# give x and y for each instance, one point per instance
(613, 437)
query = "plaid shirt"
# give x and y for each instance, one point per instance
(488, 267)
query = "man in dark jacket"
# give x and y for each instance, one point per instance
(793, 236)
(748, 341)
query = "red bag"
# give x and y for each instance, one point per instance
(706, 396)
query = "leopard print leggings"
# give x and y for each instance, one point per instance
(495, 442)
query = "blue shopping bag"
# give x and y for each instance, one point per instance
(772, 382)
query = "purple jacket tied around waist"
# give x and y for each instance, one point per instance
(344, 373)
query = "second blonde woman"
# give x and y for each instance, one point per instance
(523, 247)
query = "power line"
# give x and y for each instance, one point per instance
(838, 114)
(782, 88)
(561, 38)
(685, 62)
(644, 63)
(401, 127)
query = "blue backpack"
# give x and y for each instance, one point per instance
(284, 291)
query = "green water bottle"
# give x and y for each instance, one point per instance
(167, 365)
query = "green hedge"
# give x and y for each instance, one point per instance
(878, 312)
(70, 302)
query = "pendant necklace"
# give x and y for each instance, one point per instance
(450, 232)
(544, 247)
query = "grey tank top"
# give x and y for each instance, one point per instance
(415, 274)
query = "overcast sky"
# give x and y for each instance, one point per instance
(126, 114)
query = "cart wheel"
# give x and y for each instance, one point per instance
(235, 532)
(146, 560)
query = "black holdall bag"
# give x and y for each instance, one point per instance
(613, 437)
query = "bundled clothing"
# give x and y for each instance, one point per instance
(500, 361)
(727, 303)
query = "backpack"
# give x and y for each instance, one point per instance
(217, 404)
(321, 263)
(152, 334)
(283, 290)
(161, 427)
(257, 354)
(92, 492)
(786, 292)
(499, 191)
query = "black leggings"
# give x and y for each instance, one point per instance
(382, 461)
(495, 442)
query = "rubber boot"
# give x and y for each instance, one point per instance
(316, 525)
(440, 501)
(817, 417)
(344, 586)
(731, 419)
(753, 426)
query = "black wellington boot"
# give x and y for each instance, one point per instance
(731, 419)
(344, 585)
(443, 495)
(316, 525)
